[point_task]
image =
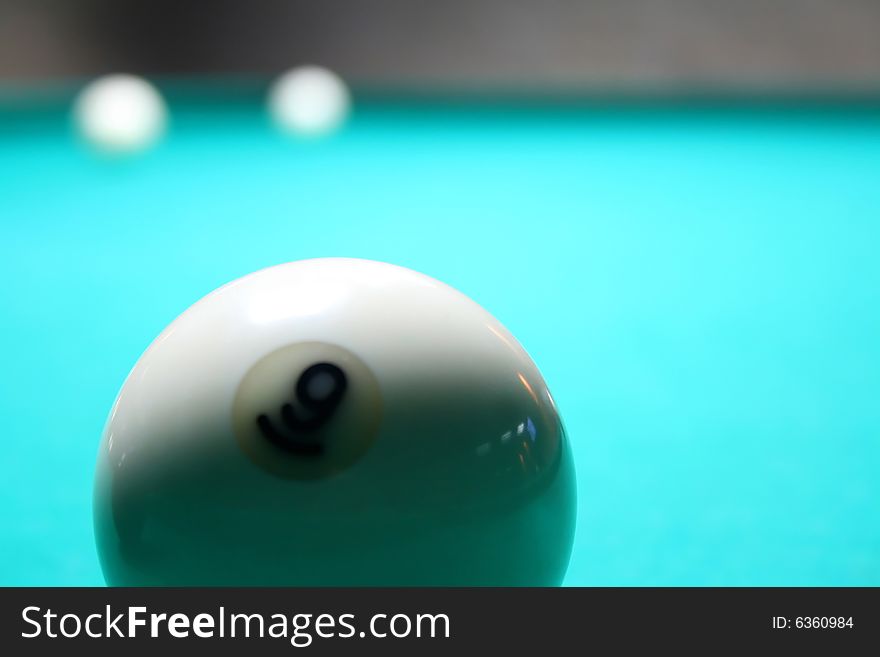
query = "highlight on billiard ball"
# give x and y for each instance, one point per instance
(120, 114)
(335, 422)
(309, 101)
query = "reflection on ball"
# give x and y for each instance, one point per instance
(309, 101)
(335, 422)
(120, 114)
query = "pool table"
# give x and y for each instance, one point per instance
(699, 283)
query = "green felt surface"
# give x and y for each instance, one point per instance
(699, 286)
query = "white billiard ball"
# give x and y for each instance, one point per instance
(120, 114)
(334, 422)
(309, 101)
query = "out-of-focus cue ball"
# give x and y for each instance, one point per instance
(120, 114)
(335, 422)
(309, 101)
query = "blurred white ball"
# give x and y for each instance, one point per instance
(309, 101)
(120, 113)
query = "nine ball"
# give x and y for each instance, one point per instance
(335, 422)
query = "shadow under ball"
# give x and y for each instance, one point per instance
(335, 422)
